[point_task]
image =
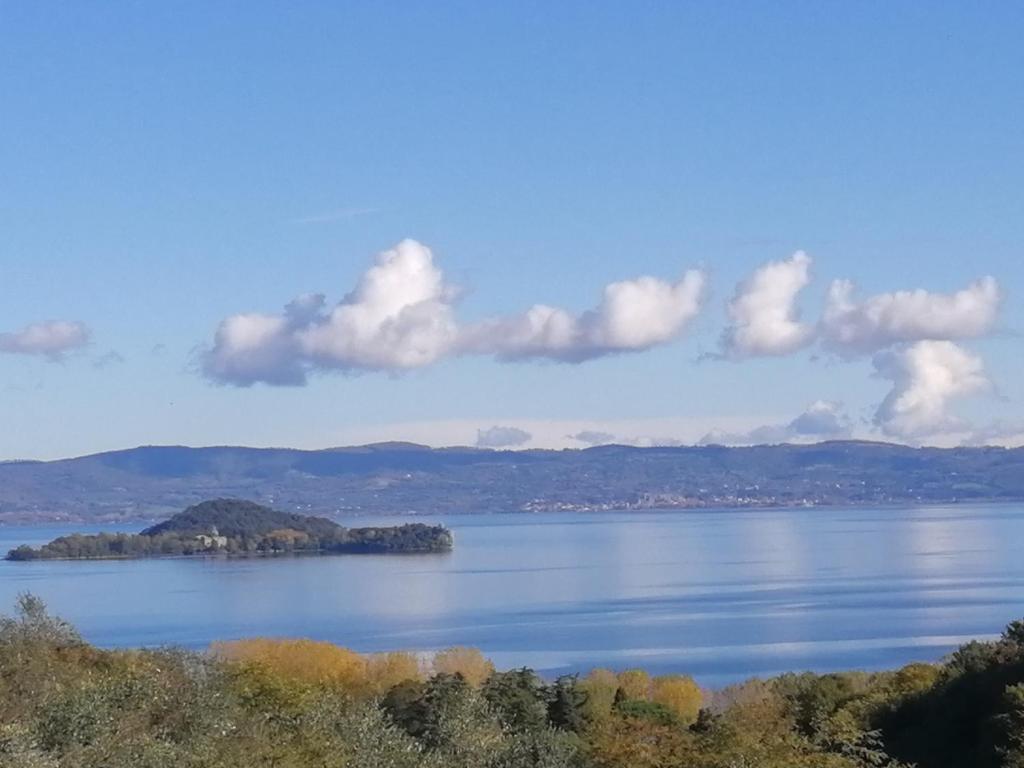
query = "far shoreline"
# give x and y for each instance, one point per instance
(892, 505)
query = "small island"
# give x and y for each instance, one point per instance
(237, 527)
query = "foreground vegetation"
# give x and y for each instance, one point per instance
(299, 703)
(236, 527)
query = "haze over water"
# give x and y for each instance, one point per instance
(721, 595)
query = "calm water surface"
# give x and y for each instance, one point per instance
(722, 595)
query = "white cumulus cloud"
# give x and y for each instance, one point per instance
(764, 319)
(633, 315)
(399, 316)
(927, 377)
(50, 339)
(254, 347)
(852, 327)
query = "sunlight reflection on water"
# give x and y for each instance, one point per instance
(720, 594)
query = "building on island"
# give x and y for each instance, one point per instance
(213, 540)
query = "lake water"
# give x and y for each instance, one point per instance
(721, 595)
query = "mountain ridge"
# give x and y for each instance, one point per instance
(147, 482)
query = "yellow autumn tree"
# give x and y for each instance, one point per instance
(600, 686)
(386, 670)
(915, 678)
(680, 694)
(474, 667)
(635, 685)
(639, 743)
(304, 661)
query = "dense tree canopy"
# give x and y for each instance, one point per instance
(306, 704)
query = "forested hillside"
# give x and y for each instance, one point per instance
(151, 483)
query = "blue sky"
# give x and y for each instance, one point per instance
(166, 167)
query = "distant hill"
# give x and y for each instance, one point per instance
(154, 482)
(237, 517)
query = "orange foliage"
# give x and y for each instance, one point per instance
(632, 743)
(386, 670)
(600, 686)
(303, 661)
(635, 685)
(680, 694)
(311, 662)
(915, 678)
(286, 536)
(468, 662)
